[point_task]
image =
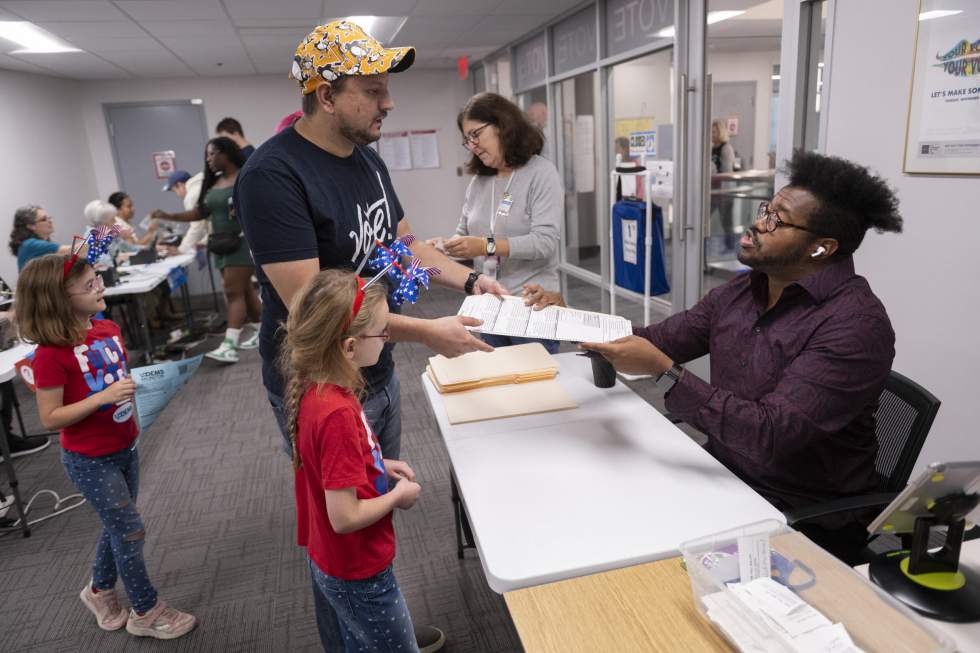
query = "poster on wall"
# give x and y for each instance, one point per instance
(164, 163)
(943, 129)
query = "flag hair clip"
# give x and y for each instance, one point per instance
(98, 240)
(385, 259)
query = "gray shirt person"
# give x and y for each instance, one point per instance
(532, 225)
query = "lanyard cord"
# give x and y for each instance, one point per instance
(495, 208)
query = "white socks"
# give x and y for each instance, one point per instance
(233, 335)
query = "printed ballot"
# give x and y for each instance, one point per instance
(508, 316)
(156, 385)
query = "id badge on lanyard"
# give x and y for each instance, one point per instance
(491, 264)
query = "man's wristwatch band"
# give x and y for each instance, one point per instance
(669, 378)
(470, 282)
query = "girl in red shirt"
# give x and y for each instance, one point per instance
(343, 498)
(85, 390)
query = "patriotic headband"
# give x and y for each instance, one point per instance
(406, 282)
(98, 241)
(356, 307)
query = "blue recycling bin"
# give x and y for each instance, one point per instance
(629, 251)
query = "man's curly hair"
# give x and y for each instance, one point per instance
(850, 199)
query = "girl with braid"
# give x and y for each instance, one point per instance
(343, 500)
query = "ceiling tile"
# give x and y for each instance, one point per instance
(149, 64)
(546, 8)
(106, 29)
(240, 67)
(435, 31)
(172, 9)
(510, 22)
(454, 7)
(248, 9)
(195, 28)
(369, 7)
(273, 35)
(78, 65)
(100, 44)
(13, 63)
(62, 10)
(299, 23)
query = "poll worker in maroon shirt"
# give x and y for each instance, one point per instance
(800, 348)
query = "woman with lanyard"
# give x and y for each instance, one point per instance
(222, 162)
(512, 213)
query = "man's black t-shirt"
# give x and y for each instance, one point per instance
(297, 201)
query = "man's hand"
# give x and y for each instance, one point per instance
(632, 355)
(159, 214)
(486, 285)
(448, 336)
(399, 469)
(537, 297)
(467, 247)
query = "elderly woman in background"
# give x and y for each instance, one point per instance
(30, 236)
(512, 212)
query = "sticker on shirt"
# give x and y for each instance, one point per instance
(102, 363)
(381, 481)
(123, 412)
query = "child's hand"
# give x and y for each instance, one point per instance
(120, 391)
(399, 469)
(408, 494)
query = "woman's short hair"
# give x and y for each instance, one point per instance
(519, 139)
(722, 129)
(98, 212)
(117, 199)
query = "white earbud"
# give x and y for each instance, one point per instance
(820, 250)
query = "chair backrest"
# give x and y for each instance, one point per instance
(905, 414)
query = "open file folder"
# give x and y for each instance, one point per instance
(509, 381)
(508, 316)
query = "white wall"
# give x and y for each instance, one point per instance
(926, 276)
(641, 88)
(752, 67)
(45, 156)
(423, 99)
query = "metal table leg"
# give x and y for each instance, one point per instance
(144, 329)
(464, 535)
(185, 296)
(8, 464)
(11, 395)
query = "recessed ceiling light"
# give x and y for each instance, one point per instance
(939, 13)
(32, 39)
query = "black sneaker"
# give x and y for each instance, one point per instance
(429, 639)
(26, 446)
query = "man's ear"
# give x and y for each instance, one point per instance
(829, 245)
(324, 96)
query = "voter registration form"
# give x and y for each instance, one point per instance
(508, 316)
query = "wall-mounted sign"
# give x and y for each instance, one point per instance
(164, 163)
(643, 144)
(732, 124)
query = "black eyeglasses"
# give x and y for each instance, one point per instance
(385, 335)
(772, 221)
(474, 136)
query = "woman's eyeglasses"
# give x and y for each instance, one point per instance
(384, 335)
(96, 285)
(473, 137)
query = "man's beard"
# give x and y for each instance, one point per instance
(757, 259)
(358, 136)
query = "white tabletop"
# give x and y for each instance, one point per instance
(607, 485)
(10, 357)
(137, 279)
(966, 636)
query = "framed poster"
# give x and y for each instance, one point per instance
(164, 163)
(943, 130)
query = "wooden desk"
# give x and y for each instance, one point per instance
(643, 608)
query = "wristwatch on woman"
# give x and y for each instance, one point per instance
(470, 282)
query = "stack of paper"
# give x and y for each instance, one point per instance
(508, 316)
(509, 381)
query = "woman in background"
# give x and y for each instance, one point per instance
(124, 217)
(30, 236)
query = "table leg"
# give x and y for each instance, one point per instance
(8, 464)
(144, 330)
(11, 394)
(464, 535)
(185, 296)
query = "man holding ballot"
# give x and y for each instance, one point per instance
(800, 348)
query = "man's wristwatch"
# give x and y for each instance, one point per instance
(669, 379)
(470, 282)
(491, 246)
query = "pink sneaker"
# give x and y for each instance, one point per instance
(162, 622)
(105, 606)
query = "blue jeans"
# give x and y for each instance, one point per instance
(505, 341)
(369, 615)
(110, 484)
(383, 409)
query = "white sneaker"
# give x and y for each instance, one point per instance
(5, 503)
(225, 353)
(252, 342)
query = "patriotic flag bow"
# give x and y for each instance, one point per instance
(385, 261)
(415, 276)
(98, 241)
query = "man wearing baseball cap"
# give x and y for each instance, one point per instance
(315, 196)
(187, 187)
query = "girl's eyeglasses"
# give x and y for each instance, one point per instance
(384, 335)
(96, 285)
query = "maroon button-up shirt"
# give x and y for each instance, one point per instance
(790, 407)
